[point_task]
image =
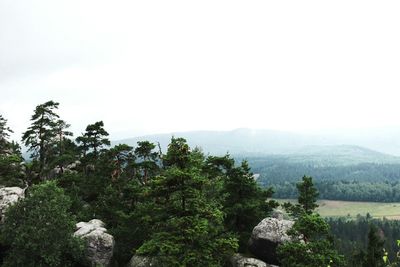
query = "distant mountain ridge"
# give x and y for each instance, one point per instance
(252, 143)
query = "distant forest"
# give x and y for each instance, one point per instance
(351, 236)
(357, 182)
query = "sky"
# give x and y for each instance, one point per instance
(165, 66)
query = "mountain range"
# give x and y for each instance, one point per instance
(348, 148)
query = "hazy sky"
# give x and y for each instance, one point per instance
(161, 66)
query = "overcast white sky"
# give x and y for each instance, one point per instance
(163, 66)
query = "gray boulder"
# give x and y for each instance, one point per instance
(142, 261)
(239, 260)
(100, 244)
(267, 236)
(9, 196)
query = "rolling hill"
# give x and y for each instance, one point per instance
(295, 147)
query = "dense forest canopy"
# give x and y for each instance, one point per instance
(178, 205)
(183, 206)
(337, 181)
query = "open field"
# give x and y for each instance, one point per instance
(338, 208)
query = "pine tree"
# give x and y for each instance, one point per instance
(11, 173)
(188, 227)
(375, 250)
(39, 137)
(307, 194)
(311, 245)
(307, 198)
(148, 159)
(5, 132)
(94, 139)
(246, 203)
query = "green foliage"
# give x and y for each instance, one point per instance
(310, 227)
(396, 261)
(148, 158)
(313, 254)
(11, 173)
(311, 244)
(375, 250)
(307, 198)
(307, 194)
(39, 228)
(94, 139)
(359, 181)
(351, 238)
(183, 208)
(245, 204)
(40, 135)
(4, 135)
(188, 228)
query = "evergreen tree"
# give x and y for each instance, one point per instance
(307, 198)
(188, 227)
(245, 203)
(40, 135)
(375, 249)
(307, 194)
(94, 138)
(311, 245)
(5, 132)
(11, 173)
(147, 160)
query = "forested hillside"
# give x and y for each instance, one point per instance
(337, 177)
(341, 172)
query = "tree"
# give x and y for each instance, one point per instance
(5, 132)
(188, 227)
(307, 198)
(148, 160)
(375, 250)
(307, 195)
(94, 138)
(61, 132)
(11, 173)
(39, 228)
(40, 135)
(245, 203)
(311, 244)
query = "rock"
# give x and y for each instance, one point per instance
(277, 214)
(238, 260)
(8, 196)
(72, 167)
(266, 237)
(100, 244)
(142, 261)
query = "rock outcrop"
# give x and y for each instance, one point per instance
(8, 196)
(239, 260)
(266, 237)
(100, 244)
(142, 261)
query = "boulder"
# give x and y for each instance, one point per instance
(142, 261)
(239, 260)
(266, 237)
(100, 244)
(8, 196)
(73, 165)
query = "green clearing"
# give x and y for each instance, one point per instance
(338, 208)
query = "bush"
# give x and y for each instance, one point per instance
(39, 230)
